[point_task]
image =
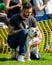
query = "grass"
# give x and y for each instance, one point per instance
(46, 60)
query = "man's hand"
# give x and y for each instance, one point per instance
(10, 30)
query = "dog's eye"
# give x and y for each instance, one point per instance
(32, 30)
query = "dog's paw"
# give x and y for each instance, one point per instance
(29, 59)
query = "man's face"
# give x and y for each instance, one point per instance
(27, 12)
(46, 1)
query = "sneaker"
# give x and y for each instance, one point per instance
(21, 58)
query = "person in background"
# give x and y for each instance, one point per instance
(12, 7)
(48, 9)
(39, 9)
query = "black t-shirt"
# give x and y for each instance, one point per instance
(13, 11)
(19, 23)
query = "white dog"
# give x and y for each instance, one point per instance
(31, 38)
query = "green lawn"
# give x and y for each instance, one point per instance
(46, 60)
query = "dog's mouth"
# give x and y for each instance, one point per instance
(35, 34)
(32, 36)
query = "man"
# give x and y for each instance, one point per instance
(18, 26)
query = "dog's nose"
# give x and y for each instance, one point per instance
(35, 34)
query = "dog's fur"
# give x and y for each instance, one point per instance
(31, 38)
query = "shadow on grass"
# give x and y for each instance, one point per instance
(3, 59)
(44, 59)
(6, 59)
(9, 59)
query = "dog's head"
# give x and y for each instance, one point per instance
(32, 32)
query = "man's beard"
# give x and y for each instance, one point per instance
(26, 16)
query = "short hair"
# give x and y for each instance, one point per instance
(27, 5)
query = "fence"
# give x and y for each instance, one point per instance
(46, 30)
(4, 48)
